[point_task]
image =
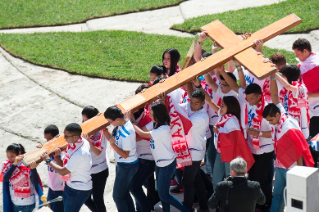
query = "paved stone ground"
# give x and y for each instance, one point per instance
(32, 97)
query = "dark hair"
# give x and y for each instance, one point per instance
(278, 59)
(253, 88)
(291, 72)
(142, 87)
(74, 128)
(52, 129)
(175, 56)
(206, 54)
(90, 111)
(199, 94)
(16, 148)
(160, 113)
(113, 113)
(270, 110)
(158, 70)
(233, 106)
(229, 74)
(301, 44)
(158, 79)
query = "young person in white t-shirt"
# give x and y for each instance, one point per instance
(123, 142)
(99, 170)
(76, 168)
(258, 130)
(196, 140)
(291, 146)
(55, 183)
(163, 154)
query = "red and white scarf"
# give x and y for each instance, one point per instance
(292, 103)
(180, 126)
(20, 179)
(70, 150)
(266, 90)
(256, 121)
(143, 120)
(96, 139)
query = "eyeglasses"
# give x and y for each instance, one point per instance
(68, 136)
(223, 85)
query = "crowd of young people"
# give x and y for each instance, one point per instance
(229, 114)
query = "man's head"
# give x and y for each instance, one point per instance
(253, 94)
(272, 114)
(72, 132)
(198, 100)
(50, 132)
(238, 167)
(291, 73)
(302, 48)
(279, 60)
(225, 88)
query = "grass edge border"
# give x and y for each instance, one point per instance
(94, 17)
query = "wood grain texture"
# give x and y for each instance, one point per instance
(189, 59)
(253, 62)
(135, 102)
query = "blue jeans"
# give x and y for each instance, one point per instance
(23, 208)
(145, 170)
(74, 199)
(280, 184)
(221, 170)
(121, 194)
(163, 179)
(211, 150)
(55, 206)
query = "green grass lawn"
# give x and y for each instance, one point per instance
(120, 55)
(253, 19)
(19, 13)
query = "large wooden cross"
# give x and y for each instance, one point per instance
(232, 46)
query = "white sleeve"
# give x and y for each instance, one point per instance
(242, 96)
(149, 126)
(281, 108)
(156, 133)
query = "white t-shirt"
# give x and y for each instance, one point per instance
(313, 106)
(266, 144)
(79, 166)
(99, 162)
(125, 139)
(196, 138)
(143, 149)
(249, 77)
(54, 179)
(161, 146)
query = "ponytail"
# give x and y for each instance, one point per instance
(16, 148)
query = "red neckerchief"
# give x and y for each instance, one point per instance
(96, 139)
(20, 179)
(256, 122)
(70, 150)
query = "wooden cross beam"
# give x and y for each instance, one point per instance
(233, 46)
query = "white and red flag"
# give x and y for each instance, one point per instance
(180, 126)
(310, 72)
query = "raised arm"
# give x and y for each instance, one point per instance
(198, 48)
(142, 133)
(209, 100)
(209, 80)
(274, 89)
(233, 85)
(285, 83)
(242, 80)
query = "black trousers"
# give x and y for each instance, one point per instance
(99, 181)
(260, 171)
(193, 183)
(314, 126)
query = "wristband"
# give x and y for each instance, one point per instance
(238, 66)
(239, 71)
(47, 161)
(132, 121)
(198, 86)
(272, 78)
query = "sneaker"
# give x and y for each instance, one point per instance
(178, 189)
(173, 182)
